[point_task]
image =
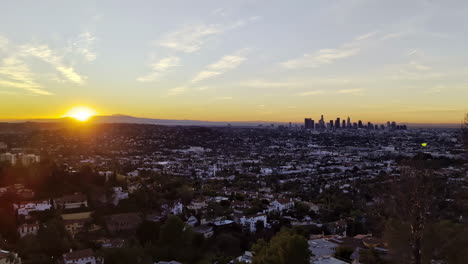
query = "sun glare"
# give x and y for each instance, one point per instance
(81, 113)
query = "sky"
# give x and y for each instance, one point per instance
(242, 60)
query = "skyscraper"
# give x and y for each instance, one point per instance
(343, 125)
(337, 123)
(321, 123)
(359, 124)
(349, 122)
(308, 123)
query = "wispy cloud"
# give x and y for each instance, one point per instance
(83, 45)
(355, 91)
(159, 68)
(328, 56)
(44, 53)
(321, 57)
(268, 84)
(314, 92)
(418, 66)
(226, 63)
(176, 90)
(191, 38)
(3, 43)
(19, 76)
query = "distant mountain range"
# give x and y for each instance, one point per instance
(118, 118)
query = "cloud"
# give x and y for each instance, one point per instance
(3, 43)
(319, 58)
(159, 68)
(328, 56)
(417, 66)
(191, 38)
(83, 45)
(268, 84)
(19, 76)
(355, 91)
(314, 92)
(365, 36)
(177, 90)
(33, 88)
(226, 63)
(44, 53)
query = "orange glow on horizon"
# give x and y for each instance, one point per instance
(81, 113)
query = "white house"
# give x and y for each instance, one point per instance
(280, 205)
(118, 195)
(28, 229)
(24, 208)
(250, 221)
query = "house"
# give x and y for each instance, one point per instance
(197, 205)
(322, 248)
(28, 229)
(7, 257)
(245, 258)
(72, 201)
(250, 221)
(85, 256)
(74, 226)
(118, 195)
(205, 230)
(281, 204)
(177, 209)
(122, 222)
(337, 228)
(24, 208)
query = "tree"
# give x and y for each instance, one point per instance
(370, 256)
(125, 255)
(343, 253)
(285, 247)
(410, 203)
(148, 232)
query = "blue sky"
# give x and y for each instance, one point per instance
(236, 60)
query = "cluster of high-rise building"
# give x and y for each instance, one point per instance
(321, 124)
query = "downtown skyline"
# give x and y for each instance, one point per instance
(236, 61)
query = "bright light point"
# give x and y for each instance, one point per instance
(81, 113)
(424, 144)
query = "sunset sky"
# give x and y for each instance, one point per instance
(236, 60)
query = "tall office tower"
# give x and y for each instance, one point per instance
(343, 125)
(321, 124)
(349, 122)
(382, 127)
(331, 124)
(313, 124)
(393, 125)
(355, 125)
(308, 123)
(337, 123)
(388, 124)
(369, 125)
(376, 127)
(359, 124)
(290, 125)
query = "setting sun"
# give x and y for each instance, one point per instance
(81, 113)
